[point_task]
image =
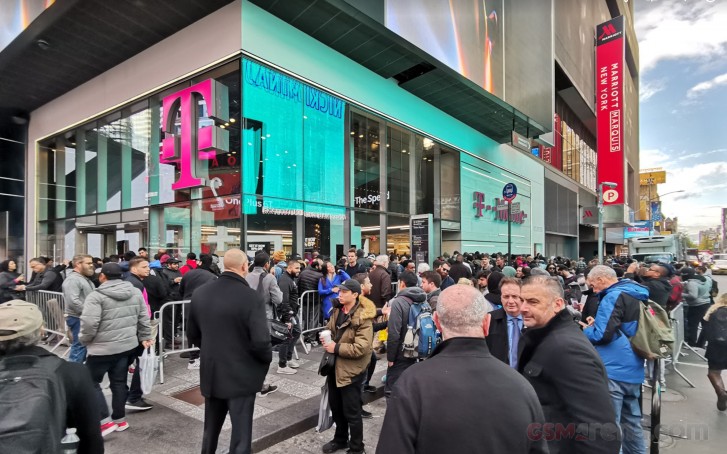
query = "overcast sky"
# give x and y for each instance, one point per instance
(683, 117)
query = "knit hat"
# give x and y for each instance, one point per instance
(279, 256)
(509, 271)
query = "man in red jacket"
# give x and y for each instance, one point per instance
(191, 263)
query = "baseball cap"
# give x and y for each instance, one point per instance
(172, 260)
(351, 285)
(111, 270)
(18, 318)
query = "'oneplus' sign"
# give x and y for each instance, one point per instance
(185, 143)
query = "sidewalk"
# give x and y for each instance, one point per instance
(176, 422)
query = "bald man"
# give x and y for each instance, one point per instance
(481, 404)
(228, 323)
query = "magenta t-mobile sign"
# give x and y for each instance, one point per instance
(185, 142)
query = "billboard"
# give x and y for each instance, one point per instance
(466, 35)
(640, 228)
(652, 177)
(610, 42)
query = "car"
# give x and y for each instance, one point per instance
(719, 264)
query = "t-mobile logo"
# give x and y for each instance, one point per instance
(479, 198)
(185, 142)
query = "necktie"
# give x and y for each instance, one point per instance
(514, 339)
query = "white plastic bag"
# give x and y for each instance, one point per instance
(325, 417)
(148, 367)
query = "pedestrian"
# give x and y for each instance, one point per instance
(351, 325)
(352, 265)
(462, 399)
(696, 299)
(21, 328)
(655, 278)
(380, 282)
(114, 322)
(11, 282)
(617, 320)
(442, 267)
(190, 264)
(408, 294)
(328, 287)
(228, 322)
(76, 287)
(288, 314)
(506, 323)
(44, 277)
(431, 281)
(566, 372)
(716, 328)
(493, 295)
(459, 270)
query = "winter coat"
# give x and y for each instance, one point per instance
(616, 321)
(571, 384)
(677, 291)
(45, 280)
(114, 319)
(156, 291)
(169, 275)
(659, 288)
(270, 293)
(696, 291)
(380, 286)
(279, 269)
(289, 305)
(76, 287)
(433, 298)
(188, 266)
(8, 282)
(498, 340)
(227, 321)
(353, 349)
(193, 280)
(440, 406)
(308, 280)
(398, 319)
(325, 289)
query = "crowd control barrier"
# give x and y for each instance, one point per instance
(677, 319)
(173, 314)
(52, 306)
(310, 316)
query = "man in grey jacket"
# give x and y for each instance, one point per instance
(270, 292)
(113, 323)
(696, 297)
(76, 287)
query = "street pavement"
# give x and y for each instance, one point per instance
(690, 420)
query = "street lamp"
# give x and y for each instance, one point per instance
(609, 185)
(651, 214)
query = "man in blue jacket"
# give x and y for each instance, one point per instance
(616, 321)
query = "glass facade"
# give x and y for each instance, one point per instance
(299, 169)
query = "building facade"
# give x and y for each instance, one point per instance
(313, 129)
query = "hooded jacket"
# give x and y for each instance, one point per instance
(398, 319)
(270, 293)
(616, 321)
(114, 319)
(353, 349)
(659, 288)
(696, 290)
(76, 287)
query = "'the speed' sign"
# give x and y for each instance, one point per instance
(509, 192)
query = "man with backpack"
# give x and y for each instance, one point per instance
(616, 321)
(55, 394)
(409, 295)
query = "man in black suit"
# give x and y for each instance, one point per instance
(567, 374)
(507, 323)
(228, 323)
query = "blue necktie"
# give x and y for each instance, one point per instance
(514, 339)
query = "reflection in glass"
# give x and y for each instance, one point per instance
(398, 163)
(365, 137)
(366, 232)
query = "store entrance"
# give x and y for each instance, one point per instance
(106, 240)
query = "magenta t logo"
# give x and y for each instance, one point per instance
(478, 197)
(185, 142)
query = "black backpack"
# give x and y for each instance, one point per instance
(32, 404)
(714, 291)
(717, 327)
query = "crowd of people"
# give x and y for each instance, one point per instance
(525, 353)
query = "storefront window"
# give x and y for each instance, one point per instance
(397, 238)
(366, 168)
(271, 227)
(399, 157)
(449, 185)
(366, 232)
(424, 155)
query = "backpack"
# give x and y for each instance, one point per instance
(421, 333)
(654, 336)
(717, 327)
(33, 404)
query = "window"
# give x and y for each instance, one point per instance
(366, 160)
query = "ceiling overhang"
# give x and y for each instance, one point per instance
(361, 38)
(74, 41)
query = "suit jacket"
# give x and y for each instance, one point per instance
(228, 322)
(498, 340)
(570, 381)
(461, 400)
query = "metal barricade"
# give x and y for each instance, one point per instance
(52, 306)
(309, 314)
(178, 312)
(677, 323)
(394, 288)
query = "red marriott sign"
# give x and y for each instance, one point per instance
(610, 44)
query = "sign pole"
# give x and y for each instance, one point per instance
(509, 232)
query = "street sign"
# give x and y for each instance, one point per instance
(509, 192)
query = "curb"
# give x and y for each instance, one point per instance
(273, 428)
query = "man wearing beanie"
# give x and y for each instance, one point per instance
(74, 405)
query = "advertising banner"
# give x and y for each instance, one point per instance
(656, 211)
(610, 43)
(640, 228)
